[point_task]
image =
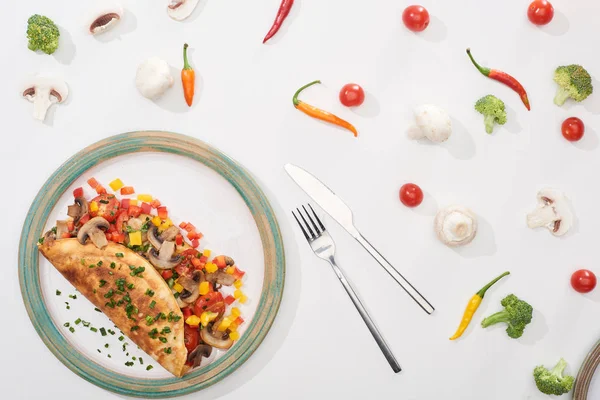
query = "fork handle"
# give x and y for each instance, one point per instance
(387, 352)
(410, 289)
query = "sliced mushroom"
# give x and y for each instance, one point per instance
(164, 258)
(195, 357)
(49, 237)
(191, 288)
(209, 338)
(154, 240)
(180, 303)
(93, 230)
(455, 226)
(181, 9)
(220, 277)
(105, 19)
(553, 212)
(78, 209)
(43, 92)
(61, 227)
(169, 234)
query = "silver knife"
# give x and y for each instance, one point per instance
(339, 211)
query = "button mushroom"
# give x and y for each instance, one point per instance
(93, 230)
(191, 287)
(105, 19)
(181, 9)
(553, 212)
(164, 258)
(43, 92)
(153, 78)
(455, 226)
(78, 209)
(214, 338)
(221, 277)
(157, 240)
(431, 122)
(195, 357)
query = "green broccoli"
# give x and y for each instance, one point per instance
(574, 82)
(42, 33)
(553, 381)
(517, 314)
(492, 109)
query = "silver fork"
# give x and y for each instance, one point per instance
(323, 246)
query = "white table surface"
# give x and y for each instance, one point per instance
(318, 346)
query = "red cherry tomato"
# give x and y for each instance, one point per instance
(583, 281)
(416, 18)
(411, 195)
(573, 129)
(191, 337)
(352, 95)
(540, 12)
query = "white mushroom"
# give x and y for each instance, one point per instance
(553, 212)
(153, 78)
(105, 18)
(431, 122)
(43, 92)
(181, 9)
(455, 226)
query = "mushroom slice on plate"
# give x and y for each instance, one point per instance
(164, 258)
(78, 209)
(105, 19)
(553, 212)
(93, 230)
(43, 92)
(181, 9)
(195, 357)
(221, 277)
(455, 226)
(224, 342)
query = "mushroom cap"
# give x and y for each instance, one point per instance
(93, 230)
(104, 18)
(181, 9)
(455, 226)
(432, 122)
(153, 78)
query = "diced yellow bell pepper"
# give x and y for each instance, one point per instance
(135, 238)
(193, 320)
(116, 184)
(224, 324)
(210, 268)
(145, 198)
(243, 299)
(204, 288)
(237, 294)
(93, 206)
(235, 312)
(207, 317)
(206, 253)
(178, 288)
(237, 284)
(165, 225)
(230, 270)
(233, 327)
(234, 335)
(156, 221)
(133, 202)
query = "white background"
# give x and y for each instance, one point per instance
(318, 346)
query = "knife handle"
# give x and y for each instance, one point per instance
(406, 285)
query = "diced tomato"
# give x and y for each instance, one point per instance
(203, 259)
(155, 203)
(196, 262)
(108, 207)
(189, 227)
(125, 190)
(100, 189)
(84, 218)
(212, 301)
(112, 228)
(70, 226)
(239, 321)
(195, 243)
(229, 300)
(162, 212)
(187, 312)
(237, 273)
(191, 235)
(183, 225)
(108, 236)
(134, 211)
(146, 208)
(66, 235)
(167, 274)
(178, 240)
(124, 204)
(118, 237)
(191, 337)
(92, 182)
(121, 218)
(219, 261)
(78, 192)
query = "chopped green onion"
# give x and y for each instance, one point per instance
(149, 320)
(66, 324)
(86, 324)
(134, 328)
(113, 265)
(102, 282)
(129, 363)
(168, 350)
(121, 338)
(130, 286)
(77, 321)
(99, 263)
(152, 304)
(97, 309)
(153, 333)
(141, 360)
(72, 329)
(58, 292)
(120, 255)
(109, 294)
(149, 292)
(111, 331)
(93, 329)
(165, 330)
(103, 331)
(106, 345)
(163, 339)
(149, 367)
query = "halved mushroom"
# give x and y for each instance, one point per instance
(195, 357)
(181, 9)
(93, 230)
(105, 18)
(553, 212)
(455, 226)
(191, 287)
(220, 277)
(164, 258)
(224, 342)
(43, 92)
(157, 240)
(169, 234)
(78, 209)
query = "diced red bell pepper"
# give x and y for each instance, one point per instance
(70, 226)
(162, 212)
(178, 240)
(219, 261)
(108, 236)
(167, 274)
(183, 225)
(155, 203)
(229, 300)
(146, 208)
(134, 211)
(118, 237)
(125, 190)
(100, 189)
(239, 321)
(84, 218)
(187, 312)
(92, 182)
(78, 192)
(191, 235)
(237, 273)
(189, 227)
(203, 259)
(65, 235)
(195, 243)
(112, 228)
(124, 204)
(196, 262)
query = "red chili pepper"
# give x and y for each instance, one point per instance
(504, 78)
(284, 10)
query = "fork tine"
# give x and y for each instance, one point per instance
(313, 222)
(318, 220)
(306, 223)
(301, 227)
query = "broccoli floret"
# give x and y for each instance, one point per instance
(553, 381)
(42, 34)
(574, 82)
(517, 314)
(493, 111)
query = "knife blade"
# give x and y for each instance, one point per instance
(342, 214)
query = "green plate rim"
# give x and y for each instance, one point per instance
(161, 142)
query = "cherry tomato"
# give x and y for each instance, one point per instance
(416, 18)
(191, 337)
(108, 207)
(352, 95)
(411, 195)
(540, 12)
(583, 281)
(573, 129)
